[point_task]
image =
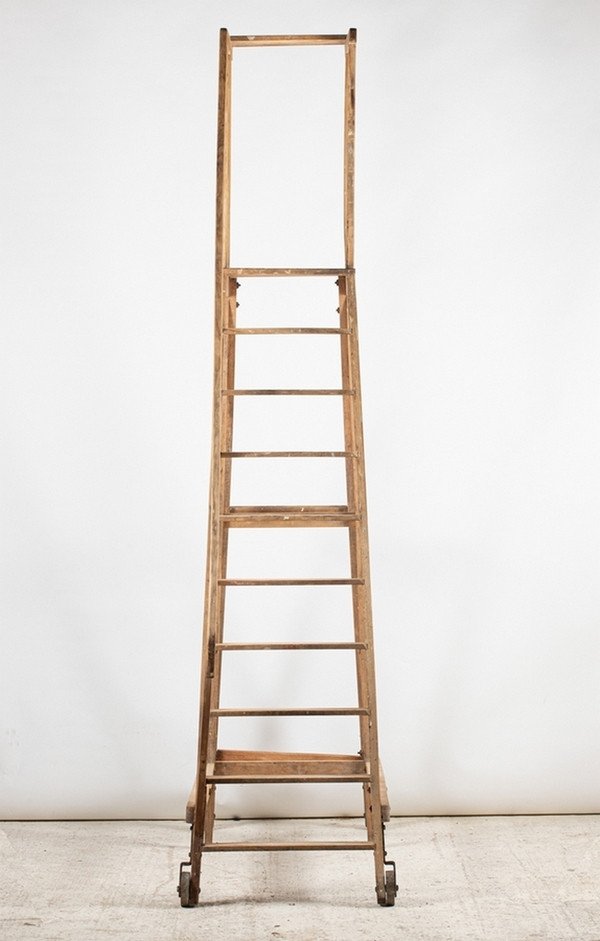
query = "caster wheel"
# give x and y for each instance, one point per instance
(391, 889)
(184, 890)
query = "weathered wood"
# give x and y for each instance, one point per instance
(243, 582)
(234, 754)
(287, 391)
(285, 331)
(239, 767)
(286, 847)
(349, 132)
(386, 812)
(279, 508)
(288, 520)
(190, 807)
(285, 272)
(324, 711)
(303, 776)
(213, 591)
(216, 766)
(290, 40)
(235, 454)
(302, 516)
(276, 765)
(294, 646)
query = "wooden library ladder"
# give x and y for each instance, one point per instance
(216, 766)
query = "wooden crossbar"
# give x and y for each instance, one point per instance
(286, 272)
(292, 40)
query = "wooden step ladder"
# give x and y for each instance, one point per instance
(216, 766)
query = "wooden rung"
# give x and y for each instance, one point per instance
(338, 508)
(279, 847)
(236, 754)
(286, 272)
(227, 454)
(324, 711)
(239, 520)
(244, 582)
(288, 392)
(286, 331)
(300, 778)
(291, 646)
(291, 40)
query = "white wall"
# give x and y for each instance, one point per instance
(478, 224)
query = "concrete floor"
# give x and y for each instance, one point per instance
(461, 879)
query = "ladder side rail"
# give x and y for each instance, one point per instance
(349, 134)
(351, 409)
(228, 311)
(353, 500)
(364, 594)
(212, 586)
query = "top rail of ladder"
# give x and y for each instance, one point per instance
(292, 40)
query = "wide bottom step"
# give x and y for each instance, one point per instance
(268, 767)
(236, 765)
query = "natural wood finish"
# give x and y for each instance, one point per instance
(232, 765)
(233, 454)
(214, 544)
(288, 520)
(324, 711)
(291, 40)
(349, 132)
(294, 646)
(216, 766)
(304, 776)
(386, 812)
(288, 392)
(242, 582)
(235, 767)
(285, 847)
(340, 509)
(190, 807)
(285, 331)
(234, 754)
(284, 272)
(252, 516)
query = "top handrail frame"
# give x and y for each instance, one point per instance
(223, 215)
(301, 39)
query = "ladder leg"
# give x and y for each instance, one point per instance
(226, 441)
(189, 883)
(353, 502)
(202, 828)
(359, 548)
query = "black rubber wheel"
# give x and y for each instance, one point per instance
(184, 890)
(391, 888)
(388, 896)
